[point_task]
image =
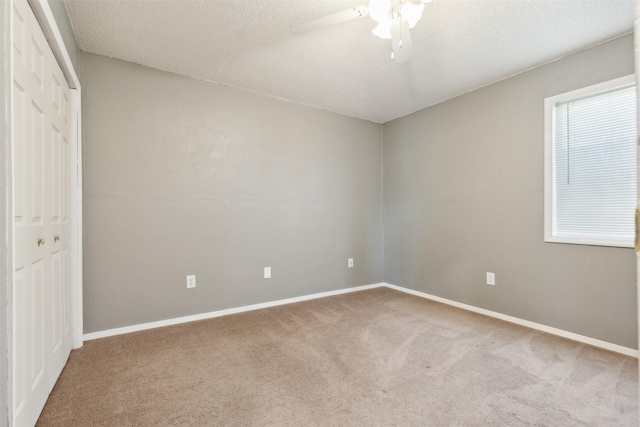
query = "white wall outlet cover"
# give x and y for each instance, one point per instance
(267, 272)
(491, 278)
(350, 263)
(191, 281)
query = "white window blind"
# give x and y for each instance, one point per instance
(594, 165)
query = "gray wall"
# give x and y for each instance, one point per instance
(6, 228)
(463, 195)
(184, 177)
(64, 25)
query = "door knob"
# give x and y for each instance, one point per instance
(41, 241)
(56, 238)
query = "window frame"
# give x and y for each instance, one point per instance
(549, 169)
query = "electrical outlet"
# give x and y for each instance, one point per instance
(267, 272)
(491, 278)
(350, 263)
(191, 281)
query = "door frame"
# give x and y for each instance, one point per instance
(636, 61)
(6, 229)
(47, 22)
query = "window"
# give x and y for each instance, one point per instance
(591, 165)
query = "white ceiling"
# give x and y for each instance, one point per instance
(459, 46)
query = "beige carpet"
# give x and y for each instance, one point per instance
(371, 358)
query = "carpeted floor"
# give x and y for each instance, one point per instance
(370, 358)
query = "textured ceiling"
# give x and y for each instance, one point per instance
(459, 46)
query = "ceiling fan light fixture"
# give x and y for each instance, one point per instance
(412, 12)
(380, 10)
(383, 30)
(394, 19)
(387, 13)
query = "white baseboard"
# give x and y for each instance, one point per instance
(533, 325)
(224, 312)
(202, 316)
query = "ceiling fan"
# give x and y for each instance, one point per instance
(394, 18)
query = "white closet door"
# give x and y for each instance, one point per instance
(58, 190)
(42, 333)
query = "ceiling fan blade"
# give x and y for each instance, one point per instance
(329, 20)
(401, 41)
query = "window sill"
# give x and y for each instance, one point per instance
(590, 241)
